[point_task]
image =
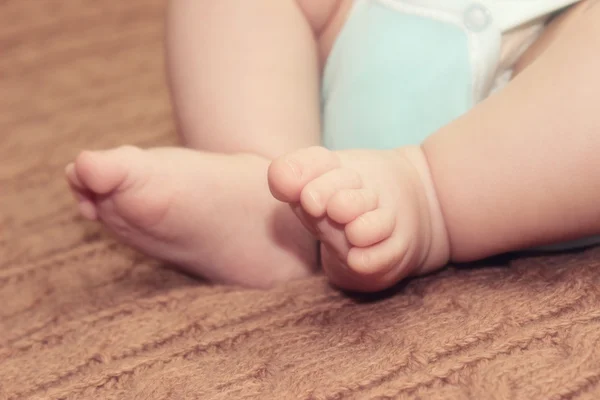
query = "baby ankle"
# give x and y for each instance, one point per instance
(437, 254)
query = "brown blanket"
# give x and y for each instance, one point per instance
(82, 317)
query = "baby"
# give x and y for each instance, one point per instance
(431, 154)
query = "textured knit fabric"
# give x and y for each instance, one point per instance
(82, 317)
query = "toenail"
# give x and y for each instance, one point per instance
(295, 167)
(364, 220)
(351, 196)
(364, 260)
(314, 196)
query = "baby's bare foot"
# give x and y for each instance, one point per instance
(375, 212)
(210, 214)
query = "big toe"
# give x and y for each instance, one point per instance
(289, 174)
(345, 278)
(102, 172)
(84, 197)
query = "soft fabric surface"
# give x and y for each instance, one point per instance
(83, 317)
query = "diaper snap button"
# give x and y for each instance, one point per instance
(477, 17)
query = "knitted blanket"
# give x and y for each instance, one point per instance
(83, 317)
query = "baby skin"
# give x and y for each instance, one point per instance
(210, 214)
(504, 177)
(379, 215)
(375, 212)
(170, 204)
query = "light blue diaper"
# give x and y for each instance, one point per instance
(402, 69)
(396, 75)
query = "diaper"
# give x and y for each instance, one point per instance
(401, 69)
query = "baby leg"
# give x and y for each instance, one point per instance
(528, 157)
(517, 171)
(244, 77)
(210, 214)
(375, 212)
(245, 74)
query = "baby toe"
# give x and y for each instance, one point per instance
(347, 205)
(99, 172)
(316, 194)
(88, 209)
(389, 256)
(72, 178)
(289, 174)
(371, 227)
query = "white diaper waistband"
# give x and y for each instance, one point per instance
(499, 31)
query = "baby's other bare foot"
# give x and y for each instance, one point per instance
(208, 213)
(375, 212)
